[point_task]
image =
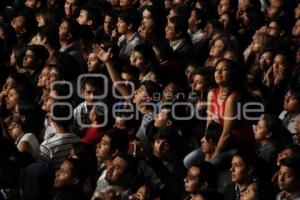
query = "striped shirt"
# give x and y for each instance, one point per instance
(56, 149)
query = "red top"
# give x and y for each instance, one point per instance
(242, 133)
(93, 136)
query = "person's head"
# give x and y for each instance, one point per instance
(93, 62)
(281, 63)
(110, 21)
(35, 4)
(89, 16)
(71, 7)
(97, 115)
(35, 57)
(15, 127)
(23, 22)
(85, 153)
(58, 90)
(266, 128)
(176, 28)
(226, 71)
(245, 4)
(242, 167)
(70, 173)
(200, 177)
(219, 46)
(262, 41)
(16, 95)
(152, 18)
(266, 60)
(289, 174)
(288, 151)
(197, 19)
(227, 6)
(165, 143)
(296, 28)
(130, 74)
(297, 11)
(258, 190)
(276, 9)
(202, 80)
(128, 21)
(164, 118)
(63, 67)
(44, 17)
(179, 10)
(228, 21)
(68, 30)
(122, 171)
(143, 56)
(48, 36)
(90, 89)
(292, 100)
(114, 141)
(147, 93)
(61, 116)
(275, 28)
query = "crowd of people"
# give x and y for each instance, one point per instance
(150, 99)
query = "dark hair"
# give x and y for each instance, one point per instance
(180, 24)
(78, 170)
(50, 32)
(292, 162)
(207, 174)
(66, 65)
(168, 133)
(295, 91)
(86, 154)
(152, 88)
(62, 89)
(213, 133)
(131, 163)
(93, 14)
(248, 158)
(235, 74)
(40, 53)
(73, 27)
(208, 73)
(118, 139)
(131, 16)
(294, 148)
(273, 124)
(182, 10)
(62, 115)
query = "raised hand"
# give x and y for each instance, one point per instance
(104, 56)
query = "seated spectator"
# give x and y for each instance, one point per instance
(288, 151)
(266, 134)
(98, 124)
(258, 190)
(200, 177)
(176, 34)
(26, 142)
(56, 149)
(289, 178)
(112, 142)
(242, 174)
(291, 113)
(208, 146)
(69, 180)
(122, 173)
